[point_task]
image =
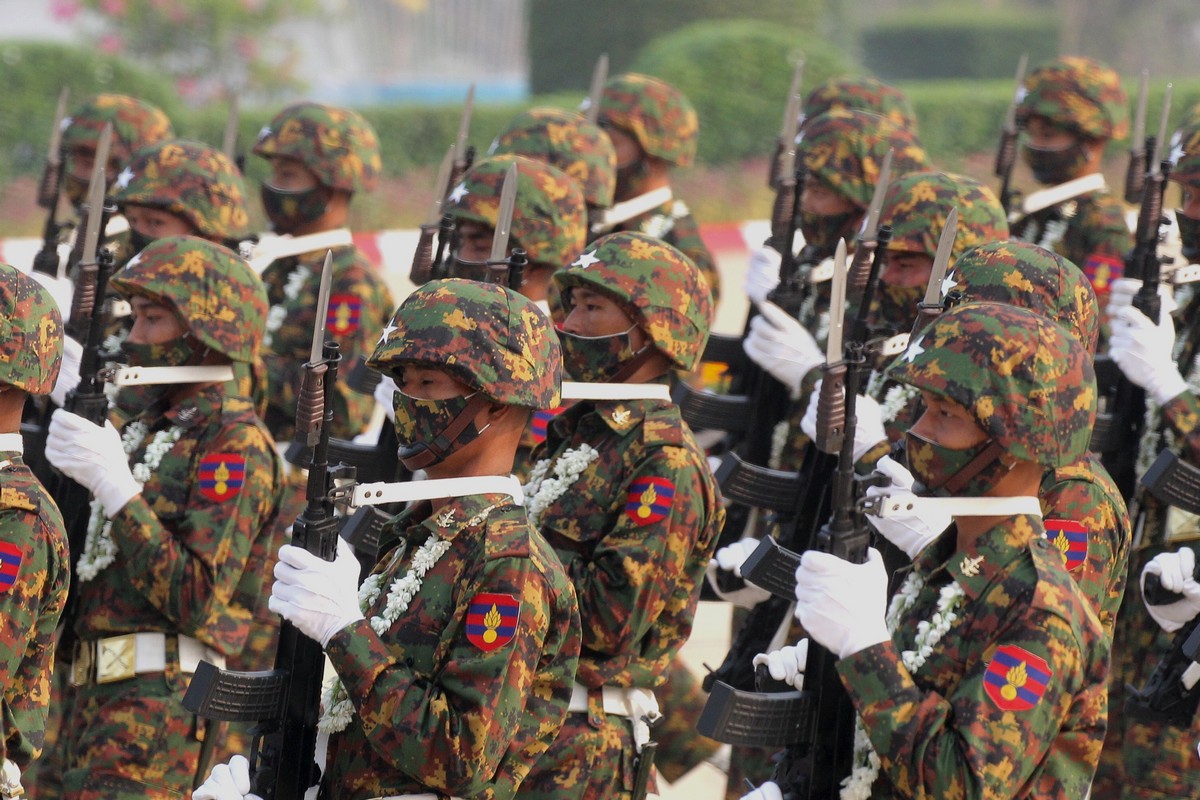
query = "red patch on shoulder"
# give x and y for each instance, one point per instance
(492, 620)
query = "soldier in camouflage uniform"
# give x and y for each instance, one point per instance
(1004, 695)
(181, 497)
(1071, 108)
(460, 689)
(654, 128)
(623, 493)
(34, 570)
(860, 94)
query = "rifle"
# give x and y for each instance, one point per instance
(285, 700)
(787, 130)
(503, 269)
(423, 260)
(49, 190)
(1006, 153)
(1135, 173)
(591, 109)
(464, 157)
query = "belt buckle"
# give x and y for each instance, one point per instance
(116, 658)
(81, 667)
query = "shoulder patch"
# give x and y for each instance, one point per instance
(345, 314)
(222, 476)
(10, 565)
(1102, 269)
(541, 422)
(650, 499)
(492, 620)
(1070, 538)
(1016, 679)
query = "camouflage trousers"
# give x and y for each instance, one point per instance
(593, 758)
(680, 747)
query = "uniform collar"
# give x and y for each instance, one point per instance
(992, 555)
(197, 407)
(458, 514)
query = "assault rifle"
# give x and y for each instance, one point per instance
(1006, 153)
(464, 157)
(49, 190)
(285, 701)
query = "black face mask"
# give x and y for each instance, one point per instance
(138, 241)
(631, 177)
(1053, 166)
(822, 231)
(289, 211)
(1189, 234)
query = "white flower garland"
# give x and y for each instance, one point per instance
(896, 400)
(541, 491)
(338, 708)
(99, 550)
(857, 786)
(278, 313)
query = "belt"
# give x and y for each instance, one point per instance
(637, 705)
(118, 658)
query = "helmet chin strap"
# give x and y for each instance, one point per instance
(634, 364)
(989, 455)
(424, 454)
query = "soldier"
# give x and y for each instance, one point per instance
(34, 570)
(455, 671)
(181, 497)
(653, 127)
(1071, 109)
(623, 493)
(1004, 693)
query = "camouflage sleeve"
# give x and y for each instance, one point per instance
(1183, 415)
(685, 235)
(190, 573)
(964, 744)
(450, 730)
(1104, 242)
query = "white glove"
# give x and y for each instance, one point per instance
(384, 394)
(730, 559)
(68, 376)
(1177, 573)
(780, 345)
(1122, 290)
(787, 664)
(319, 597)
(868, 430)
(227, 782)
(840, 604)
(912, 534)
(763, 274)
(768, 791)
(92, 456)
(1143, 352)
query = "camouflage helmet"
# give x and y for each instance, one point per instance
(1025, 275)
(489, 337)
(656, 114)
(213, 292)
(31, 333)
(917, 204)
(136, 124)
(1078, 94)
(338, 145)
(549, 218)
(1026, 381)
(190, 180)
(861, 94)
(657, 284)
(564, 139)
(845, 150)
(1185, 155)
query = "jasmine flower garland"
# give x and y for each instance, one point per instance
(542, 491)
(278, 313)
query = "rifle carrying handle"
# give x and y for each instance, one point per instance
(831, 410)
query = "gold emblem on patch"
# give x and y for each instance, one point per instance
(970, 566)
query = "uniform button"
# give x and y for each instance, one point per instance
(596, 721)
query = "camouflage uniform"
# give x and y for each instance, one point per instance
(1085, 98)
(1011, 700)
(861, 94)
(664, 124)
(184, 546)
(34, 570)
(439, 705)
(639, 522)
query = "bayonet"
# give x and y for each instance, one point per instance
(318, 340)
(1135, 173)
(837, 305)
(498, 262)
(52, 175)
(599, 77)
(933, 304)
(831, 404)
(229, 137)
(97, 189)
(871, 229)
(1155, 165)
(1010, 116)
(1139, 120)
(785, 163)
(1006, 153)
(462, 160)
(434, 216)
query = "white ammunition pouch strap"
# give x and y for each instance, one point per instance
(578, 390)
(637, 705)
(373, 494)
(12, 443)
(907, 504)
(141, 376)
(1054, 195)
(634, 207)
(272, 248)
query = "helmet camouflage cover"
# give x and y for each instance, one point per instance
(31, 333)
(656, 114)
(917, 204)
(338, 145)
(213, 292)
(1028, 276)
(1078, 94)
(845, 149)
(661, 287)
(566, 140)
(190, 180)
(491, 338)
(862, 94)
(549, 219)
(136, 124)
(1027, 382)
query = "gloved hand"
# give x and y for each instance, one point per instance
(384, 393)
(227, 782)
(319, 597)
(92, 456)
(730, 559)
(762, 276)
(840, 604)
(1143, 352)
(780, 345)
(1177, 572)
(787, 663)
(868, 431)
(914, 533)
(68, 376)
(768, 791)
(1122, 290)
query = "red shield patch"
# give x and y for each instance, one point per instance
(1102, 270)
(10, 565)
(1016, 679)
(649, 500)
(222, 476)
(1070, 537)
(345, 314)
(492, 620)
